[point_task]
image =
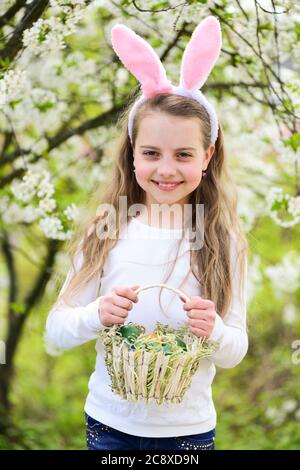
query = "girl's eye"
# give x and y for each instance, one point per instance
(185, 154)
(151, 152)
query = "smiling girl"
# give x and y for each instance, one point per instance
(171, 156)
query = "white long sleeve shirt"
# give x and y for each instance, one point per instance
(144, 255)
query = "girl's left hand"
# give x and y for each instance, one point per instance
(202, 315)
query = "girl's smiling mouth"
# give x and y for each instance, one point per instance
(164, 186)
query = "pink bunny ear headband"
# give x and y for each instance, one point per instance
(199, 58)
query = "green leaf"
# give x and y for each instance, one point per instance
(276, 205)
(18, 308)
(265, 26)
(44, 106)
(297, 30)
(293, 141)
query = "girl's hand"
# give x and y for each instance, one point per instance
(201, 315)
(114, 306)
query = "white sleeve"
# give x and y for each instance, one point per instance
(231, 332)
(66, 326)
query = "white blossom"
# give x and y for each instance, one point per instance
(285, 276)
(249, 207)
(286, 154)
(275, 415)
(72, 212)
(50, 33)
(297, 415)
(289, 406)
(288, 207)
(52, 227)
(41, 98)
(33, 183)
(25, 189)
(275, 194)
(47, 205)
(12, 85)
(13, 215)
(294, 206)
(289, 314)
(5, 5)
(121, 77)
(29, 214)
(45, 189)
(4, 201)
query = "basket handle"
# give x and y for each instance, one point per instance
(177, 291)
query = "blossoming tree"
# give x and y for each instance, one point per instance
(62, 88)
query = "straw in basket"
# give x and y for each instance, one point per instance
(156, 367)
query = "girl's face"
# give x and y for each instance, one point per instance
(169, 158)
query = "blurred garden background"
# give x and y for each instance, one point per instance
(61, 91)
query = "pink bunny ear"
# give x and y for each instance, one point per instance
(201, 53)
(142, 61)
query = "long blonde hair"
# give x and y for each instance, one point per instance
(210, 264)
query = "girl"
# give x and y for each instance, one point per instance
(171, 155)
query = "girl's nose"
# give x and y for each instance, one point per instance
(166, 169)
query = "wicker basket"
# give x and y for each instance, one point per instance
(146, 367)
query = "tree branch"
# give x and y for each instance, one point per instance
(32, 14)
(41, 281)
(11, 269)
(108, 117)
(157, 11)
(264, 63)
(10, 13)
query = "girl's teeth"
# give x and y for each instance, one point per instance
(168, 185)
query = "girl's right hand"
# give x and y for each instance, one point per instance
(114, 306)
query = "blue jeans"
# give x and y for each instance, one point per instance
(102, 437)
